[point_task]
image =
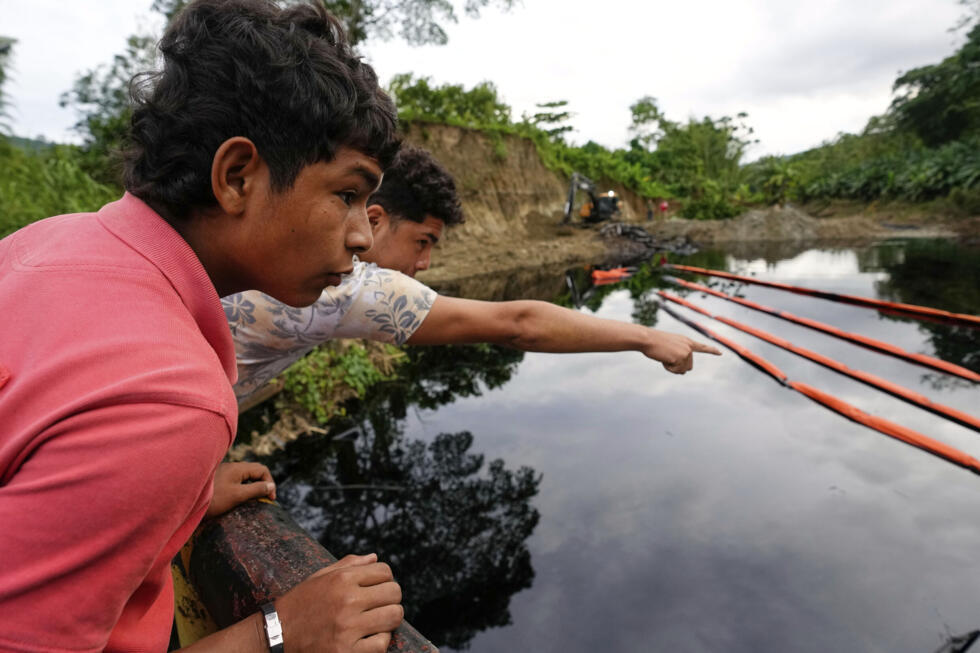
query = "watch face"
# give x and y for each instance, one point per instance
(273, 629)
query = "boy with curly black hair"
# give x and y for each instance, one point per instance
(254, 152)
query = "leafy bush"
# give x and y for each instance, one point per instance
(418, 99)
(331, 374)
(48, 182)
(926, 147)
(965, 201)
(911, 174)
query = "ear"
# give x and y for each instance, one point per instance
(235, 173)
(378, 218)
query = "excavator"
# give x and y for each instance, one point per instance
(599, 208)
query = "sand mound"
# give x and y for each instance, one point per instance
(775, 223)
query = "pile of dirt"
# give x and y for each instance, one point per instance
(783, 224)
(775, 223)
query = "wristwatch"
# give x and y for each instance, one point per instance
(273, 628)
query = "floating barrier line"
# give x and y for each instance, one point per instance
(864, 341)
(906, 435)
(615, 275)
(888, 307)
(867, 378)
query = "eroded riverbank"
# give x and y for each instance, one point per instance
(463, 264)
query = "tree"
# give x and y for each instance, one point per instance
(417, 22)
(101, 97)
(941, 102)
(777, 177)
(417, 97)
(168, 8)
(970, 17)
(700, 160)
(6, 48)
(552, 119)
(646, 124)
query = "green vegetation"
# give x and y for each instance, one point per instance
(341, 374)
(418, 22)
(6, 47)
(41, 180)
(321, 381)
(697, 160)
(925, 147)
(101, 99)
(52, 181)
(450, 104)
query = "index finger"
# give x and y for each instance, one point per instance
(704, 349)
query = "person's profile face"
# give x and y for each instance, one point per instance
(305, 236)
(405, 245)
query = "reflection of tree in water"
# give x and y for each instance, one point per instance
(942, 275)
(581, 292)
(453, 528)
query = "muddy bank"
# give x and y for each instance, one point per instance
(465, 266)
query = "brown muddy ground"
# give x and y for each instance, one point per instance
(466, 267)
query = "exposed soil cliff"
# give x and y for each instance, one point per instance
(513, 206)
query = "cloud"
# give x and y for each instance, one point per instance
(803, 71)
(839, 51)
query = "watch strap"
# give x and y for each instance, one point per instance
(273, 627)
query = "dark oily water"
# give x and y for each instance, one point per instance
(597, 503)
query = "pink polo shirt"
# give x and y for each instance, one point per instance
(116, 409)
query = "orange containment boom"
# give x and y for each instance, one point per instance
(602, 277)
(906, 435)
(867, 378)
(912, 310)
(864, 341)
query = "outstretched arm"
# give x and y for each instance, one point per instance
(371, 302)
(540, 326)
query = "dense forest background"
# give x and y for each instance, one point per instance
(923, 148)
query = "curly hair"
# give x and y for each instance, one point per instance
(287, 79)
(416, 185)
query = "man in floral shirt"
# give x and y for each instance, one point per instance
(380, 300)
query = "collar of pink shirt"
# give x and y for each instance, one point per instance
(135, 223)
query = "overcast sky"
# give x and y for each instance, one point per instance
(803, 71)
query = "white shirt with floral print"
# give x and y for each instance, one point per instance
(370, 302)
